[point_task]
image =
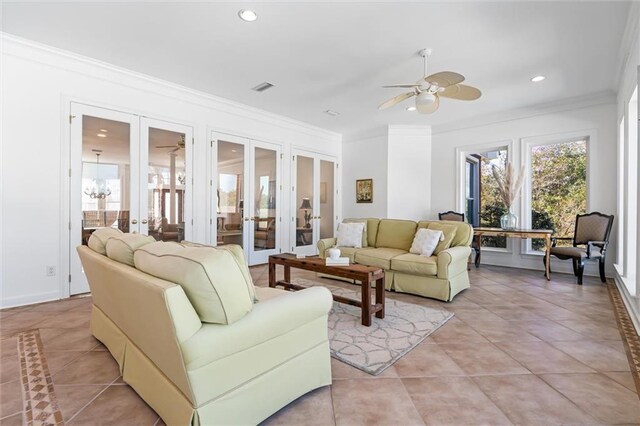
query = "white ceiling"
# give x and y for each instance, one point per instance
(336, 55)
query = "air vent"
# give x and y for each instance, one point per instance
(262, 87)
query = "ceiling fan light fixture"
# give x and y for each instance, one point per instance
(424, 99)
(101, 135)
(538, 78)
(247, 15)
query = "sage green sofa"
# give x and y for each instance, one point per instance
(198, 373)
(388, 242)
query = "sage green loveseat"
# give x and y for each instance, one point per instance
(388, 242)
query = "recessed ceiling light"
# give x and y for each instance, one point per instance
(247, 15)
(104, 130)
(234, 150)
(538, 78)
(101, 135)
(332, 112)
(411, 108)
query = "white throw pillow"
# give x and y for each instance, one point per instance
(426, 241)
(350, 234)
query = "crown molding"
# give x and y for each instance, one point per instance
(600, 98)
(29, 50)
(629, 43)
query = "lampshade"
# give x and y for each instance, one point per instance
(306, 205)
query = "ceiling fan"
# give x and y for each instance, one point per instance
(430, 88)
(179, 145)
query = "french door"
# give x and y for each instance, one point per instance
(313, 205)
(246, 188)
(122, 177)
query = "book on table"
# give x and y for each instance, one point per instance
(341, 261)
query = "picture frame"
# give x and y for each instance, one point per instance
(364, 191)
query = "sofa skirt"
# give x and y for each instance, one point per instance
(248, 404)
(433, 287)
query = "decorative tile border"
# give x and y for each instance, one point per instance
(628, 332)
(39, 400)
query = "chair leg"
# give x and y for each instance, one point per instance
(575, 267)
(477, 262)
(544, 262)
(580, 271)
(602, 277)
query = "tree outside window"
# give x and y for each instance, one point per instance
(558, 187)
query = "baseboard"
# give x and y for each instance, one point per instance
(630, 302)
(29, 299)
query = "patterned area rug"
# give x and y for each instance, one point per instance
(628, 332)
(373, 349)
(39, 400)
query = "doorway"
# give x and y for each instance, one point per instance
(246, 189)
(313, 206)
(122, 177)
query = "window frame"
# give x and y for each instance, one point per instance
(461, 155)
(527, 144)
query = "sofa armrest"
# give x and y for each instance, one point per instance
(453, 261)
(325, 244)
(268, 320)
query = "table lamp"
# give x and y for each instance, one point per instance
(306, 206)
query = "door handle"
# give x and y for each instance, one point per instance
(144, 221)
(246, 219)
(134, 221)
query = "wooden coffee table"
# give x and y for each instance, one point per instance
(365, 274)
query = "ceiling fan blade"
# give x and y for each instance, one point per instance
(395, 100)
(402, 85)
(445, 78)
(166, 146)
(430, 108)
(174, 150)
(461, 92)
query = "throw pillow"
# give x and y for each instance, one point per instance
(213, 279)
(426, 241)
(365, 239)
(121, 248)
(449, 234)
(98, 239)
(350, 235)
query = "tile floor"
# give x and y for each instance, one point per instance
(520, 350)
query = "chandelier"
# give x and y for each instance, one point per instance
(98, 188)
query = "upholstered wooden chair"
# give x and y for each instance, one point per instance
(590, 241)
(459, 217)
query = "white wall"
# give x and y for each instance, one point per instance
(627, 279)
(38, 83)
(399, 161)
(363, 159)
(409, 172)
(598, 120)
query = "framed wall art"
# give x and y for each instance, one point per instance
(364, 191)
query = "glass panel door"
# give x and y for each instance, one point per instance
(304, 204)
(264, 208)
(165, 208)
(326, 199)
(104, 178)
(230, 193)
(313, 206)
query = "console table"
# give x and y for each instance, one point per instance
(523, 234)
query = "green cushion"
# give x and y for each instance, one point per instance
(464, 231)
(121, 248)
(379, 257)
(397, 234)
(349, 252)
(449, 232)
(98, 239)
(415, 264)
(213, 279)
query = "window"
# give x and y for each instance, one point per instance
(482, 201)
(621, 196)
(631, 193)
(558, 173)
(228, 193)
